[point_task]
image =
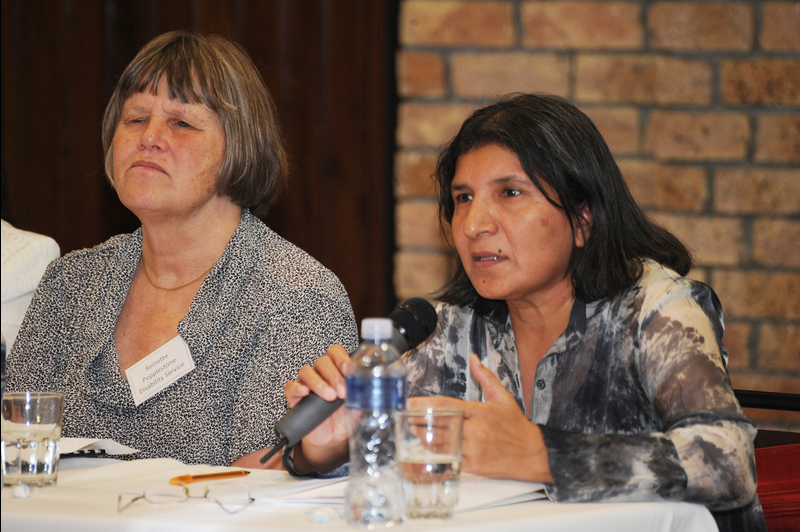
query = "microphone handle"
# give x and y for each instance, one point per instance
(312, 410)
(305, 417)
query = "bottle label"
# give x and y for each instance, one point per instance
(376, 393)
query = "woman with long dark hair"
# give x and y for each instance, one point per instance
(581, 355)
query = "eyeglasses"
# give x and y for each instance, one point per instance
(232, 498)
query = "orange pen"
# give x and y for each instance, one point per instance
(189, 479)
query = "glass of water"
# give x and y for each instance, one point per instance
(429, 451)
(31, 430)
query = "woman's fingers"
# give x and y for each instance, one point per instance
(294, 392)
(316, 381)
(493, 389)
(326, 378)
(341, 358)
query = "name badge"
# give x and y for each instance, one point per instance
(159, 369)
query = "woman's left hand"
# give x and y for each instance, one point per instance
(499, 441)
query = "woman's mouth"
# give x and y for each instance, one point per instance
(148, 164)
(487, 258)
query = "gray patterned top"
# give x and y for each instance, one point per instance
(633, 399)
(266, 309)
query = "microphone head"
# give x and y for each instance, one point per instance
(416, 320)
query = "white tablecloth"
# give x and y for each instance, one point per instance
(85, 500)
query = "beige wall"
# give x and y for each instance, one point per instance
(700, 103)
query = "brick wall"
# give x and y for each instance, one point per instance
(700, 103)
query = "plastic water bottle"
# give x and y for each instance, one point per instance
(374, 495)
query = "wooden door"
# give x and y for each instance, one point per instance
(328, 64)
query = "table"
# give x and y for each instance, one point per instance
(85, 500)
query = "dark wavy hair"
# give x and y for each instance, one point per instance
(559, 145)
(217, 73)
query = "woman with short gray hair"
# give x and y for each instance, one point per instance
(176, 339)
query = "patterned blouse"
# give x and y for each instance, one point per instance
(633, 399)
(266, 309)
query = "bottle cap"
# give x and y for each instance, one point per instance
(376, 329)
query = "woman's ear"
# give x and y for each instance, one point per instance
(584, 227)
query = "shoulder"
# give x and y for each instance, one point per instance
(21, 248)
(660, 286)
(283, 263)
(660, 293)
(279, 277)
(86, 265)
(25, 257)
(663, 300)
(103, 252)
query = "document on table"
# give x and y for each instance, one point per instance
(93, 446)
(289, 490)
(478, 493)
(474, 492)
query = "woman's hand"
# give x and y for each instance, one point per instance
(325, 447)
(499, 441)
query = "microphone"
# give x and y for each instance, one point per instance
(414, 321)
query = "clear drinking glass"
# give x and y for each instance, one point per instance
(429, 450)
(31, 431)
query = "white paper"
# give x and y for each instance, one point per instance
(306, 491)
(474, 493)
(477, 493)
(110, 447)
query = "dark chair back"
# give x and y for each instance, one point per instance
(777, 456)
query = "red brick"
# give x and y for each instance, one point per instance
(457, 23)
(737, 341)
(757, 190)
(417, 225)
(582, 25)
(778, 138)
(700, 136)
(420, 273)
(619, 127)
(754, 294)
(414, 174)
(669, 187)
(760, 81)
(777, 243)
(494, 74)
(717, 26)
(779, 347)
(779, 27)
(429, 125)
(712, 241)
(646, 79)
(420, 74)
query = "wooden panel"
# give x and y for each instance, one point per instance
(327, 63)
(52, 105)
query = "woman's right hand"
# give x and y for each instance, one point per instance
(325, 447)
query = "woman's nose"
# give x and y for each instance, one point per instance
(479, 220)
(153, 136)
